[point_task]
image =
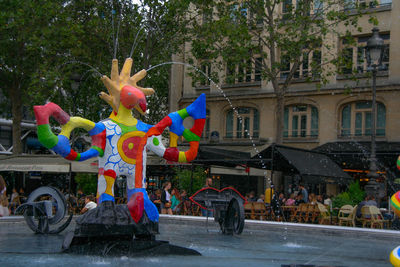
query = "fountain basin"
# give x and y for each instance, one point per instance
(260, 244)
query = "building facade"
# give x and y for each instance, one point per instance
(339, 111)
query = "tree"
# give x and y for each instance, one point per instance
(45, 43)
(275, 36)
(183, 179)
(27, 33)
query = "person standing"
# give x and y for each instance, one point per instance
(175, 200)
(269, 193)
(207, 212)
(166, 199)
(304, 193)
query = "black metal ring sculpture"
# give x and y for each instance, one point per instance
(227, 206)
(39, 214)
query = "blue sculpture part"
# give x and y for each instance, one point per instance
(177, 125)
(62, 147)
(89, 154)
(98, 128)
(106, 197)
(197, 108)
(144, 127)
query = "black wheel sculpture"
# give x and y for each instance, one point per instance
(44, 208)
(234, 218)
(227, 205)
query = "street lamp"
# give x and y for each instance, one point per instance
(374, 54)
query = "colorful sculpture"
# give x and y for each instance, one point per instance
(395, 203)
(120, 142)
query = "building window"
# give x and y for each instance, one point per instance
(288, 7)
(352, 4)
(356, 119)
(300, 121)
(246, 71)
(353, 54)
(310, 65)
(206, 69)
(206, 132)
(243, 124)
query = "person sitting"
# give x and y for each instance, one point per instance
(299, 199)
(362, 204)
(89, 204)
(320, 200)
(312, 199)
(282, 199)
(4, 210)
(261, 198)
(328, 200)
(291, 200)
(371, 201)
(252, 197)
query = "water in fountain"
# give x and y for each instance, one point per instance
(135, 41)
(84, 64)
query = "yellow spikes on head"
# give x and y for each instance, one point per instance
(119, 80)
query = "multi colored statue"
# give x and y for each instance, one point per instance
(121, 141)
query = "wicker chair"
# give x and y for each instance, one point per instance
(259, 210)
(347, 215)
(324, 215)
(370, 215)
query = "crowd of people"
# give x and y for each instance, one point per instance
(171, 200)
(293, 198)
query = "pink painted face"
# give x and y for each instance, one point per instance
(132, 97)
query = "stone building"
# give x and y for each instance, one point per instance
(329, 119)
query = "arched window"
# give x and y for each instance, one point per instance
(300, 121)
(356, 119)
(244, 125)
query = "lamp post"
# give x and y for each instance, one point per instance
(374, 54)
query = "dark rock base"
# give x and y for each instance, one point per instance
(109, 230)
(118, 246)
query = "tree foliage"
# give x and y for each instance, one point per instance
(87, 183)
(352, 196)
(182, 179)
(45, 43)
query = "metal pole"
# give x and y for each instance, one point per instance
(372, 185)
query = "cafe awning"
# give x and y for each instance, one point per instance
(311, 166)
(45, 163)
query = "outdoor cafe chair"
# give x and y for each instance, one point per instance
(313, 213)
(303, 213)
(299, 212)
(259, 210)
(324, 215)
(370, 215)
(248, 210)
(346, 215)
